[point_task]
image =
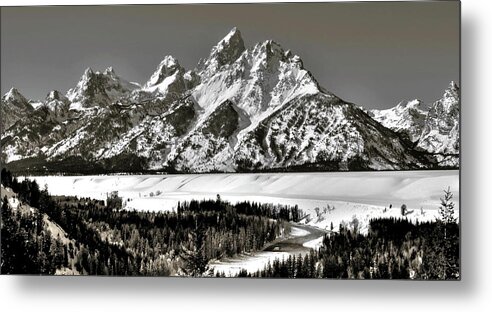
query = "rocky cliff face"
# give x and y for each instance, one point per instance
(441, 130)
(14, 106)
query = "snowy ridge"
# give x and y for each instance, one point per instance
(406, 117)
(434, 130)
(98, 89)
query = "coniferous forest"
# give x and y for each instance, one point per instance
(47, 234)
(105, 240)
(393, 249)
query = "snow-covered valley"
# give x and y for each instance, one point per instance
(361, 194)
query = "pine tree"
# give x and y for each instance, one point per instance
(446, 210)
(196, 264)
(450, 247)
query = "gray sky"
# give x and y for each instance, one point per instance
(372, 54)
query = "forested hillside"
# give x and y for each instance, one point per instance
(111, 241)
(393, 249)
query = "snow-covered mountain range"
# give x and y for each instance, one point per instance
(434, 129)
(240, 109)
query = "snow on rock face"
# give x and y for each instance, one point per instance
(57, 103)
(98, 89)
(325, 130)
(406, 117)
(151, 138)
(225, 52)
(15, 97)
(166, 68)
(168, 77)
(441, 131)
(257, 84)
(55, 95)
(209, 146)
(434, 130)
(13, 107)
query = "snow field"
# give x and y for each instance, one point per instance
(350, 196)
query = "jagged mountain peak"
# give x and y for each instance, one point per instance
(225, 52)
(14, 107)
(441, 132)
(14, 99)
(232, 33)
(269, 48)
(109, 71)
(453, 85)
(452, 90)
(169, 61)
(232, 40)
(272, 46)
(262, 79)
(449, 101)
(97, 88)
(56, 103)
(14, 95)
(90, 73)
(167, 68)
(55, 95)
(270, 52)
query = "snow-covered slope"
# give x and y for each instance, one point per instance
(278, 116)
(407, 117)
(240, 109)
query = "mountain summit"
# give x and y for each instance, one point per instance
(442, 127)
(98, 89)
(14, 106)
(241, 109)
(225, 52)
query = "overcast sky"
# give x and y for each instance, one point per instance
(371, 54)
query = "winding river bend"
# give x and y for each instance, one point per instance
(302, 239)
